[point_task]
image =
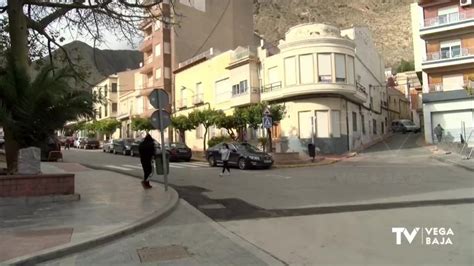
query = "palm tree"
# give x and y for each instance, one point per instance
(31, 110)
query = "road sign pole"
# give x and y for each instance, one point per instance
(163, 148)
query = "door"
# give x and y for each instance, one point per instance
(452, 123)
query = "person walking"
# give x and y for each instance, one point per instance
(67, 144)
(225, 154)
(147, 151)
(439, 130)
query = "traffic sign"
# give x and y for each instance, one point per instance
(158, 95)
(155, 119)
(267, 122)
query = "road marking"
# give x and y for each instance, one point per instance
(185, 165)
(176, 166)
(133, 166)
(118, 167)
(198, 164)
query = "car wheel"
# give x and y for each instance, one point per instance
(212, 161)
(242, 164)
(103, 150)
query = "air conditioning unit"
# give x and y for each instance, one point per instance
(465, 2)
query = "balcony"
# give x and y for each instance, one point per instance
(241, 55)
(275, 91)
(449, 58)
(146, 44)
(198, 99)
(147, 68)
(245, 97)
(438, 87)
(448, 22)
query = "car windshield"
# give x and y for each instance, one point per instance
(247, 147)
(408, 123)
(128, 141)
(177, 145)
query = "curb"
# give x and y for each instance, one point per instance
(444, 160)
(328, 162)
(67, 249)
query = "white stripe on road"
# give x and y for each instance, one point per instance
(133, 166)
(185, 165)
(176, 166)
(197, 164)
(118, 167)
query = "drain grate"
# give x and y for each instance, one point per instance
(173, 252)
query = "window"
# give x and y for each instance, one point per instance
(382, 127)
(240, 88)
(198, 88)
(362, 122)
(243, 86)
(139, 105)
(450, 49)
(182, 95)
(448, 14)
(158, 73)
(336, 123)
(305, 124)
(105, 91)
(374, 123)
(340, 68)
(158, 49)
(453, 82)
(350, 70)
(167, 73)
(223, 90)
(100, 112)
(322, 124)
(166, 48)
(325, 68)
(114, 87)
(306, 69)
(290, 71)
(273, 75)
(114, 107)
(354, 121)
(235, 89)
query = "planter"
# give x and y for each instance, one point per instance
(16, 186)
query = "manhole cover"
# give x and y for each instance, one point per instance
(174, 252)
(212, 206)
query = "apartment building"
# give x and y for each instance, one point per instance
(194, 27)
(331, 82)
(398, 105)
(443, 37)
(128, 97)
(107, 92)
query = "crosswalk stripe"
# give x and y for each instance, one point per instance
(132, 166)
(185, 165)
(118, 167)
(176, 166)
(197, 164)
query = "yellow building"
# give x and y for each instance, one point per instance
(107, 91)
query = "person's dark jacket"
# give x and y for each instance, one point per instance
(146, 149)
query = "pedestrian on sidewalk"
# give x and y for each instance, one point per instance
(147, 151)
(439, 130)
(225, 154)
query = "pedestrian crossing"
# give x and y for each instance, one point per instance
(183, 165)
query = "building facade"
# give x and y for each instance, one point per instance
(107, 107)
(398, 105)
(330, 81)
(443, 36)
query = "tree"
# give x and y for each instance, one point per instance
(30, 111)
(405, 66)
(141, 124)
(107, 126)
(182, 124)
(206, 118)
(228, 122)
(37, 23)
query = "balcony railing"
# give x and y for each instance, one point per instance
(449, 18)
(243, 54)
(207, 54)
(437, 87)
(271, 87)
(198, 98)
(442, 55)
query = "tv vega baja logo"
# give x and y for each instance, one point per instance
(429, 235)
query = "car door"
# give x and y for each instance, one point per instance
(234, 155)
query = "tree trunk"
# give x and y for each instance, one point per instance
(204, 140)
(18, 33)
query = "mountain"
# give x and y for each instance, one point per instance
(98, 63)
(389, 21)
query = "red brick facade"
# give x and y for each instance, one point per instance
(36, 185)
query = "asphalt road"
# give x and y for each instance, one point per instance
(398, 167)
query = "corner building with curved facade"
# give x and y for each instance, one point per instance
(332, 84)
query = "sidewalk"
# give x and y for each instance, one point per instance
(111, 205)
(452, 158)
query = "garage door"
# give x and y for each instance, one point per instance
(451, 122)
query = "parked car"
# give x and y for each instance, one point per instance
(179, 151)
(89, 143)
(77, 142)
(134, 149)
(404, 126)
(108, 146)
(242, 155)
(123, 146)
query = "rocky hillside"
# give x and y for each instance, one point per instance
(389, 21)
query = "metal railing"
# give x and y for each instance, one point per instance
(449, 18)
(442, 55)
(198, 98)
(436, 87)
(205, 54)
(271, 87)
(249, 51)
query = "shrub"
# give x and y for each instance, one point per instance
(216, 140)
